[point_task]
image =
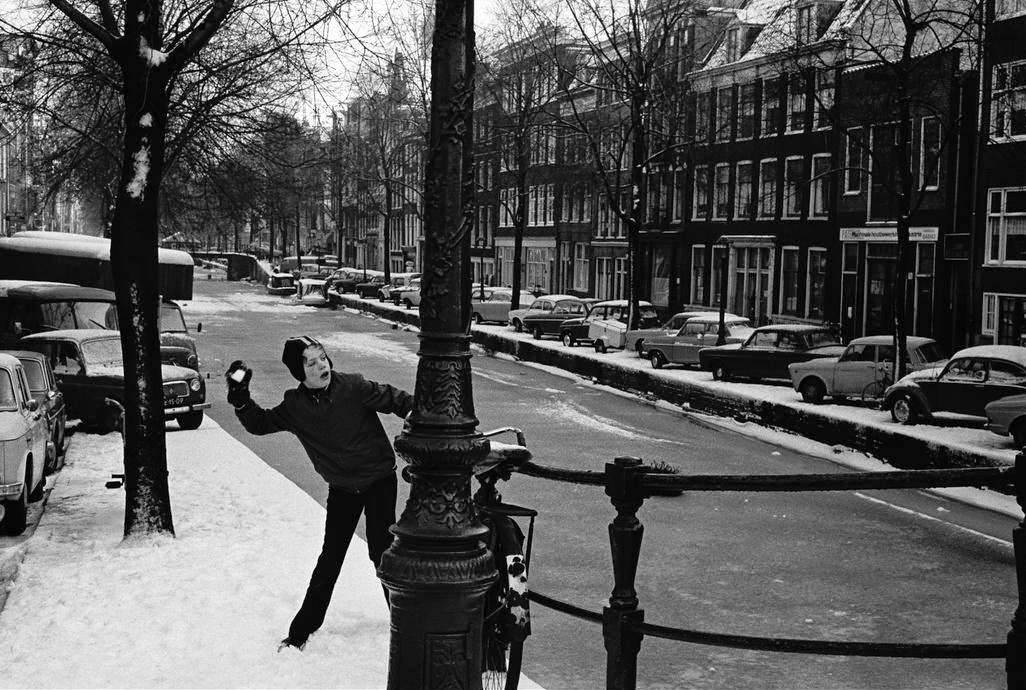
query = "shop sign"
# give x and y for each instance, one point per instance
(887, 234)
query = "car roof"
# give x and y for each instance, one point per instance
(621, 303)
(716, 319)
(41, 290)
(76, 334)
(9, 361)
(793, 328)
(913, 340)
(25, 354)
(1012, 353)
(556, 298)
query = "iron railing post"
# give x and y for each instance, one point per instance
(620, 618)
(438, 569)
(1015, 657)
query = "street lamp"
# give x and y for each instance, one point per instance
(481, 243)
(721, 334)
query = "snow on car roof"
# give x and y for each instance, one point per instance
(1012, 353)
(77, 334)
(57, 291)
(9, 361)
(89, 246)
(913, 340)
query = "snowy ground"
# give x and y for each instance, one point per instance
(205, 609)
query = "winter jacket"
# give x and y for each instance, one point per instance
(338, 426)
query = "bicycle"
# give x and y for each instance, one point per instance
(874, 390)
(507, 620)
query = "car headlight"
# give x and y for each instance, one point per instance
(192, 361)
(194, 384)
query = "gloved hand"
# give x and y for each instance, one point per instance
(237, 377)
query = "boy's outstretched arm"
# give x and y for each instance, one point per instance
(255, 419)
(385, 398)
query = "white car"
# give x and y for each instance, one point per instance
(24, 447)
(607, 323)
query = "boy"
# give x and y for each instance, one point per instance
(335, 417)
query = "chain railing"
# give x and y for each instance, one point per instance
(628, 483)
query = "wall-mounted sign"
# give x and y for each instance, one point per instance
(887, 233)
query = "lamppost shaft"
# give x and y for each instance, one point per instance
(438, 569)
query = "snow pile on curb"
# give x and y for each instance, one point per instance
(205, 609)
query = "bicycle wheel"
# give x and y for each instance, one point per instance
(873, 391)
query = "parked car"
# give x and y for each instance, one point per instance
(43, 388)
(1007, 417)
(769, 350)
(864, 369)
(348, 278)
(398, 296)
(29, 306)
(281, 284)
(542, 323)
(311, 288)
(536, 307)
(23, 447)
(397, 282)
(495, 305)
(371, 287)
(701, 331)
(636, 338)
(89, 368)
(607, 323)
(972, 378)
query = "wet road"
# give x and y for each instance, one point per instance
(873, 566)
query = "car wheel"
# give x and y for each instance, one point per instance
(639, 347)
(657, 359)
(16, 514)
(408, 304)
(904, 411)
(36, 494)
(537, 333)
(720, 373)
(190, 420)
(518, 326)
(477, 319)
(1019, 433)
(600, 347)
(812, 391)
(568, 339)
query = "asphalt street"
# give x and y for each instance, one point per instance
(869, 566)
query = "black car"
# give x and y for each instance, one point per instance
(89, 368)
(769, 350)
(971, 379)
(371, 288)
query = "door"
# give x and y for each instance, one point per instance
(38, 431)
(881, 269)
(958, 387)
(687, 345)
(854, 370)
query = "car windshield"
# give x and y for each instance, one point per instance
(171, 320)
(102, 351)
(821, 338)
(34, 373)
(931, 352)
(7, 399)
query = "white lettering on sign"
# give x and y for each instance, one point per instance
(887, 234)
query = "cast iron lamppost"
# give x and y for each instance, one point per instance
(438, 568)
(481, 243)
(721, 335)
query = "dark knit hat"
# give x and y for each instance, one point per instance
(292, 354)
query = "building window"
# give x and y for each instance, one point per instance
(819, 186)
(724, 105)
(659, 289)
(795, 103)
(989, 314)
(805, 25)
(1010, 100)
(929, 154)
(722, 207)
(925, 252)
(853, 152)
(700, 204)
(794, 173)
(770, 107)
(680, 190)
(732, 45)
(580, 266)
(824, 98)
(1008, 8)
(768, 188)
(815, 302)
(718, 255)
(698, 274)
(703, 104)
(789, 281)
(746, 111)
(1006, 226)
(743, 194)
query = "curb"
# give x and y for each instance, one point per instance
(898, 449)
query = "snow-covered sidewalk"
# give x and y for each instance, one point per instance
(205, 609)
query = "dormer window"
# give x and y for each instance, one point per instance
(806, 24)
(732, 44)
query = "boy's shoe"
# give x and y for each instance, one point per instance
(289, 642)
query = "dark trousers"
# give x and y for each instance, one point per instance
(377, 502)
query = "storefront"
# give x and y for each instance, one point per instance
(868, 275)
(537, 262)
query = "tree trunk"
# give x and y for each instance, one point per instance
(134, 265)
(387, 237)
(904, 258)
(519, 220)
(270, 238)
(639, 154)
